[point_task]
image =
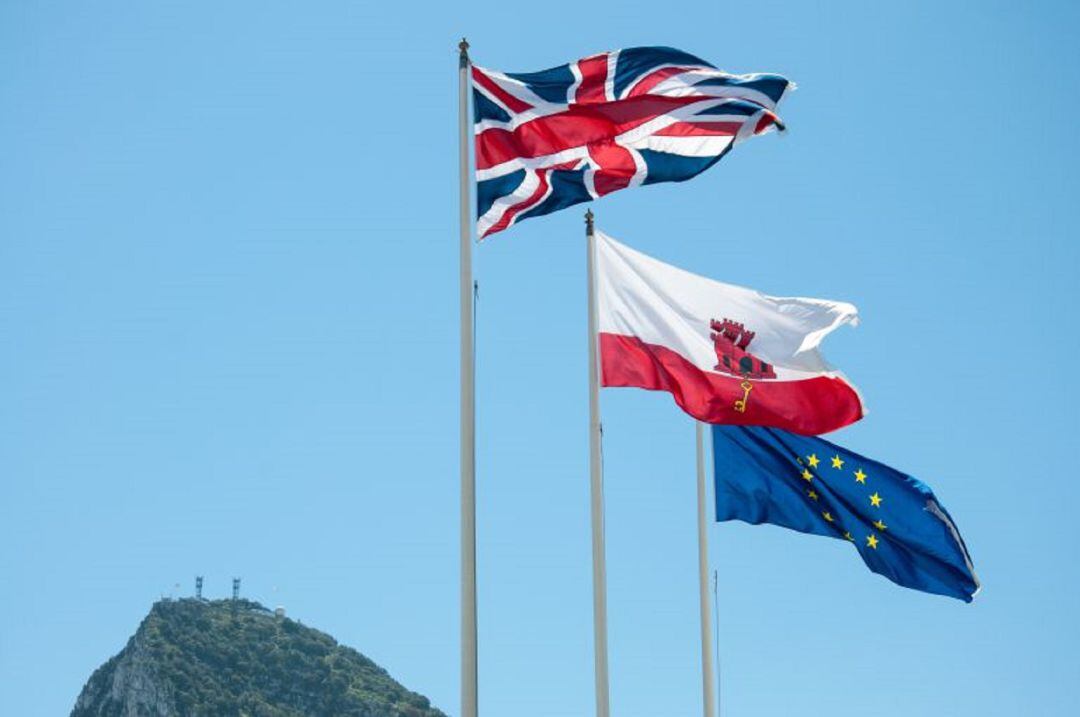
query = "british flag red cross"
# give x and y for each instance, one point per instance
(642, 115)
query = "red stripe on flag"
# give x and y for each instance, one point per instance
(513, 211)
(616, 167)
(512, 103)
(593, 76)
(810, 406)
(767, 120)
(576, 127)
(651, 80)
(701, 129)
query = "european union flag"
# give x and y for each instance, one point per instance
(765, 475)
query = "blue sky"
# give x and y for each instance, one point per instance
(228, 325)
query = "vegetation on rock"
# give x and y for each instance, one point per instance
(197, 658)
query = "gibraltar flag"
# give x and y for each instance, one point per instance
(726, 353)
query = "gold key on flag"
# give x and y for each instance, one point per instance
(740, 405)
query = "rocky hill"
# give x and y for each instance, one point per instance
(224, 658)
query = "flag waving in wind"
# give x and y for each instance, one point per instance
(642, 115)
(807, 484)
(727, 354)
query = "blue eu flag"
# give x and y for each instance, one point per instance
(765, 475)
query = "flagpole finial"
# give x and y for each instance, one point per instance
(463, 49)
(588, 222)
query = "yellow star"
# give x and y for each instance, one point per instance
(875, 500)
(807, 475)
(836, 462)
(827, 515)
(880, 525)
(811, 494)
(848, 536)
(813, 460)
(872, 541)
(860, 477)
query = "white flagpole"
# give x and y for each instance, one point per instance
(596, 488)
(708, 696)
(469, 705)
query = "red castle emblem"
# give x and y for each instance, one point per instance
(730, 340)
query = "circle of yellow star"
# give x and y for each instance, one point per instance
(848, 536)
(836, 462)
(812, 459)
(880, 525)
(860, 477)
(875, 500)
(807, 475)
(872, 541)
(827, 516)
(811, 494)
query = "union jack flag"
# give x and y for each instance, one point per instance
(642, 115)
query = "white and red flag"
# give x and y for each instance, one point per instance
(727, 354)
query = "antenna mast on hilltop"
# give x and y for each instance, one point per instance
(198, 587)
(236, 588)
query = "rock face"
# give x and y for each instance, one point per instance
(198, 658)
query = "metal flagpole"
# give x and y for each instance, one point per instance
(596, 487)
(716, 642)
(468, 410)
(708, 696)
